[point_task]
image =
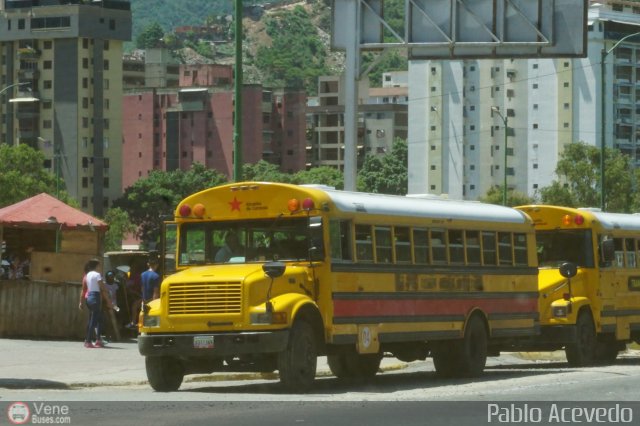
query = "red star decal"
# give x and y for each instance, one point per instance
(235, 204)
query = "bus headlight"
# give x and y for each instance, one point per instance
(267, 318)
(150, 321)
(559, 311)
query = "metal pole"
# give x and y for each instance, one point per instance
(237, 133)
(504, 189)
(603, 117)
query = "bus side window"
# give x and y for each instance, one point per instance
(402, 243)
(630, 253)
(384, 251)
(421, 245)
(489, 248)
(439, 246)
(473, 247)
(618, 243)
(364, 243)
(520, 249)
(505, 252)
(340, 240)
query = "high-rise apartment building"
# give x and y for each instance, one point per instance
(69, 54)
(171, 128)
(458, 111)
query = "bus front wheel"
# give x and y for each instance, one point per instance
(165, 374)
(297, 363)
(582, 352)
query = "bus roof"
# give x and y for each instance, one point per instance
(606, 220)
(431, 207)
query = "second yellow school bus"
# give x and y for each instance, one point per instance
(593, 314)
(270, 276)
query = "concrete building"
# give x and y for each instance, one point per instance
(69, 53)
(457, 140)
(382, 117)
(172, 128)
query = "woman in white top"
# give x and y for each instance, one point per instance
(95, 289)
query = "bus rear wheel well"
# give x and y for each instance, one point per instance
(311, 315)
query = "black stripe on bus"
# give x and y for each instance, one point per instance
(402, 295)
(515, 332)
(415, 336)
(620, 313)
(514, 316)
(434, 269)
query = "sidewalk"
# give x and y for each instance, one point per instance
(41, 364)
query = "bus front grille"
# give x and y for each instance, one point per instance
(205, 298)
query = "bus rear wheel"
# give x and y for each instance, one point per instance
(582, 352)
(297, 363)
(351, 365)
(165, 374)
(466, 357)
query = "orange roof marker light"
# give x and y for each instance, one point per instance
(199, 210)
(568, 220)
(293, 205)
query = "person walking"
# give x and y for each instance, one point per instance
(95, 290)
(150, 283)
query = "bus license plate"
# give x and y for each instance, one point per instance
(203, 342)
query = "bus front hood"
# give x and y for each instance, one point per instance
(228, 272)
(553, 285)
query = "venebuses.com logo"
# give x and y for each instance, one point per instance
(20, 413)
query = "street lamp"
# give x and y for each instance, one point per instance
(603, 115)
(505, 120)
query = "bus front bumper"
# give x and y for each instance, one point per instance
(212, 344)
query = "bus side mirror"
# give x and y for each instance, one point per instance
(568, 270)
(274, 269)
(607, 250)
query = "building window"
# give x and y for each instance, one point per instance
(106, 84)
(85, 83)
(85, 202)
(46, 124)
(47, 65)
(105, 182)
(433, 88)
(535, 106)
(106, 104)
(46, 104)
(433, 128)
(106, 45)
(566, 105)
(535, 66)
(85, 182)
(535, 85)
(47, 84)
(85, 122)
(566, 64)
(85, 43)
(566, 84)
(85, 63)
(21, 24)
(535, 125)
(85, 102)
(106, 123)
(112, 24)
(565, 125)
(106, 64)
(433, 187)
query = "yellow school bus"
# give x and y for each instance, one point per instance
(595, 310)
(269, 276)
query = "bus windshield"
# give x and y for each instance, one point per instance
(558, 246)
(249, 241)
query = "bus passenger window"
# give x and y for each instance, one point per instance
(383, 245)
(421, 245)
(637, 251)
(505, 254)
(619, 250)
(402, 244)
(340, 240)
(456, 246)
(364, 249)
(438, 246)
(630, 253)
(489, 248)
(520, 249)
(473, 247)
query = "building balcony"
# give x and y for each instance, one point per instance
(28, 53)
(29, 74)
(27, 114)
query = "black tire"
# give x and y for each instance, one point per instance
(606, 352)
(297, 363)
(466, 357)
(583, 352)
(351, 365)
(444, 356)
(165, 374)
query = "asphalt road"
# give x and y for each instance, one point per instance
(407, 396)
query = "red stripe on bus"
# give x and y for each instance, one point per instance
(381, 307)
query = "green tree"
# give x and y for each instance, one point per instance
(150, 200)
(579, 167)
(514, 198)
(263, 171)
(22, 175)
(386, 174)
(119, 227)
(296, 57)
(329, 176)
(150, 36)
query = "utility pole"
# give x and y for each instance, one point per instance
(237, 122)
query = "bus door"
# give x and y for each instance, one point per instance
(168, 247)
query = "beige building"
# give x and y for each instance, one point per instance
(69, 54)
